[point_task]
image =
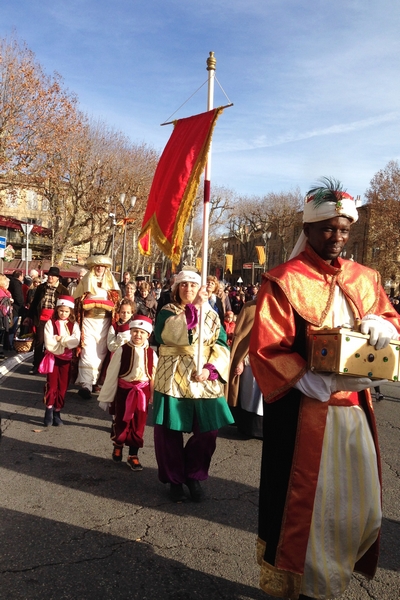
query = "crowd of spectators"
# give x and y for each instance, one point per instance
(149, 298)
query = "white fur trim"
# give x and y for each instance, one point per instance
(64, 302)
(141, 324)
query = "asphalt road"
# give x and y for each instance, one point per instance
(76, 525)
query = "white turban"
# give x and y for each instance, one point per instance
(186, 276)
(344, 207)
(89, 282)
(98, 260)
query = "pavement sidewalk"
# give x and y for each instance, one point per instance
(11, 362)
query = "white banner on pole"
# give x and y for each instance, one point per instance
(24, 254)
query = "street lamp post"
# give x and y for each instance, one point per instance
(266, 237)
(26, 228)
(225, 247)
(113, 224)
(126, 211)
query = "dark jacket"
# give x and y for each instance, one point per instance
(219, 309)
(165, 298)
(146, 306)
(15, 289)
(37, 303)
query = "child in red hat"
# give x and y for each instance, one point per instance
(229, 324)
(61, 336)
(128, 389)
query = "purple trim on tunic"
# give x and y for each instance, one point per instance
(192, 316)
(213, 372)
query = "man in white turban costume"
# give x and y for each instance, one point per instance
(320, 495)
(97, 296)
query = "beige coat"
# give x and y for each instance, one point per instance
(240, 348)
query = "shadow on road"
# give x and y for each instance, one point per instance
(73, 563)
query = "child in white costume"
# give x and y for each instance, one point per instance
(128, 389)
(61, 336)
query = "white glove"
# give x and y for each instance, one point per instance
(344, 383)
(380, 331)
(104, 405)
(315, 385)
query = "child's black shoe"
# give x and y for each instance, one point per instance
(117, 453)
(134, 464)
(48, 417)
(57, 418)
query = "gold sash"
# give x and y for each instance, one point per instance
(96, 313)
(184, 351)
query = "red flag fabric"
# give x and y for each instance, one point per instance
(175, 183)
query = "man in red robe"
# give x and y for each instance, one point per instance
(320, 496)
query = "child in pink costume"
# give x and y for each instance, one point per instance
(229, 324)
(61, 336)
(128, 389)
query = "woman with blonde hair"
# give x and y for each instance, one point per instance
(214, 299)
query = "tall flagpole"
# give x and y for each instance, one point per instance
(211, 64)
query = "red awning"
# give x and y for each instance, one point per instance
(41, 266)
(11, 223)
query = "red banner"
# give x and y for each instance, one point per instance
(175, 184)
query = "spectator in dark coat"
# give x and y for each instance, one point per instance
(146, 304)
(236, 301)
(396, 305)
(15, 289)
(42, 308)
(165, 296)
(126, 278)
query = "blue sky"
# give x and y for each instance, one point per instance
(315, 85)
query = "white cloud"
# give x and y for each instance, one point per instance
(288, 137)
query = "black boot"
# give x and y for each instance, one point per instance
(48, 417)
(176, 492)
(84, 393)
(57, 418)
(196, 493)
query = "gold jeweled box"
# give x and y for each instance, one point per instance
(347, 352)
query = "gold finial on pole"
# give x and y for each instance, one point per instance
(211, 62)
